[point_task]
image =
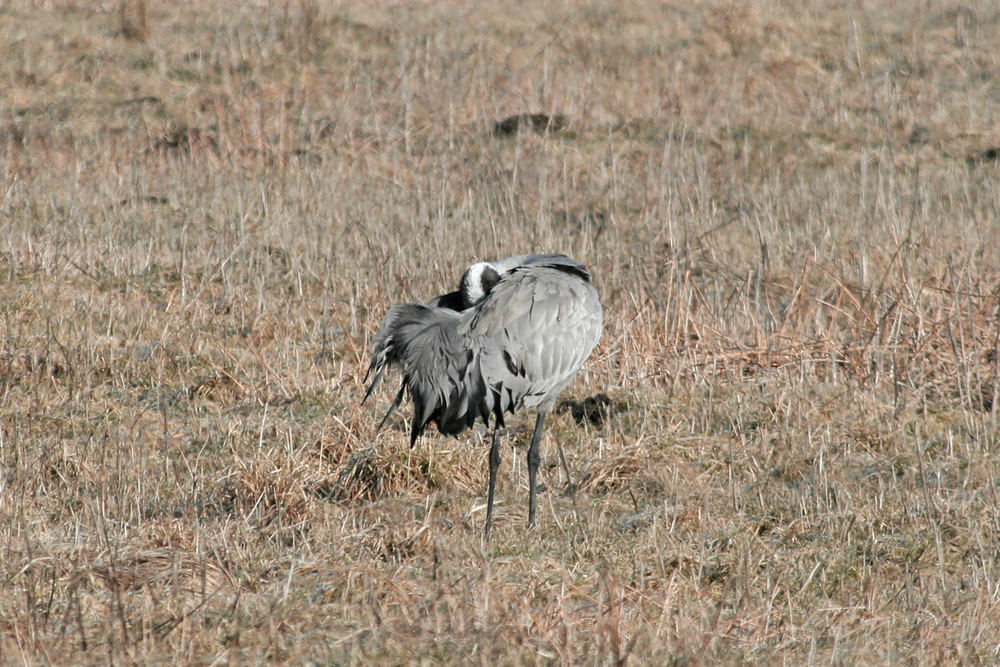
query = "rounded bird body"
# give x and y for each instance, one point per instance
(546, 327)
(511, 337)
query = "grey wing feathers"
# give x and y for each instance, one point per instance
(547, 260)
(441, 372)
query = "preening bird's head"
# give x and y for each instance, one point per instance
(477, 281)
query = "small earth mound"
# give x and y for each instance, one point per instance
(537, 122)
(989, 156)
(595, 409)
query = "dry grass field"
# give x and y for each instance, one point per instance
(786, 447)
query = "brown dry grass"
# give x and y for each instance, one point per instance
(792, 216)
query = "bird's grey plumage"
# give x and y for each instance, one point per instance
(511, 337)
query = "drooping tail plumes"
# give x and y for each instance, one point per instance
(442, 372)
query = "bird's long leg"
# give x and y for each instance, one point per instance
(494, 464)
(533, 460)
(571, 490)
(570, 487)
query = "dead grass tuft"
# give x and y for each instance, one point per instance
(165, 572)
(132, 14)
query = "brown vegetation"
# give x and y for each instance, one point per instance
(785, 447)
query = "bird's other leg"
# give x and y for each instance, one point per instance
(494, 464)
(570, 487)
(533, 460)
(571, 490)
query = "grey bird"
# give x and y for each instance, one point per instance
(511, 337)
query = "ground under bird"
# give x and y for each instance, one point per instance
(511, 337)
